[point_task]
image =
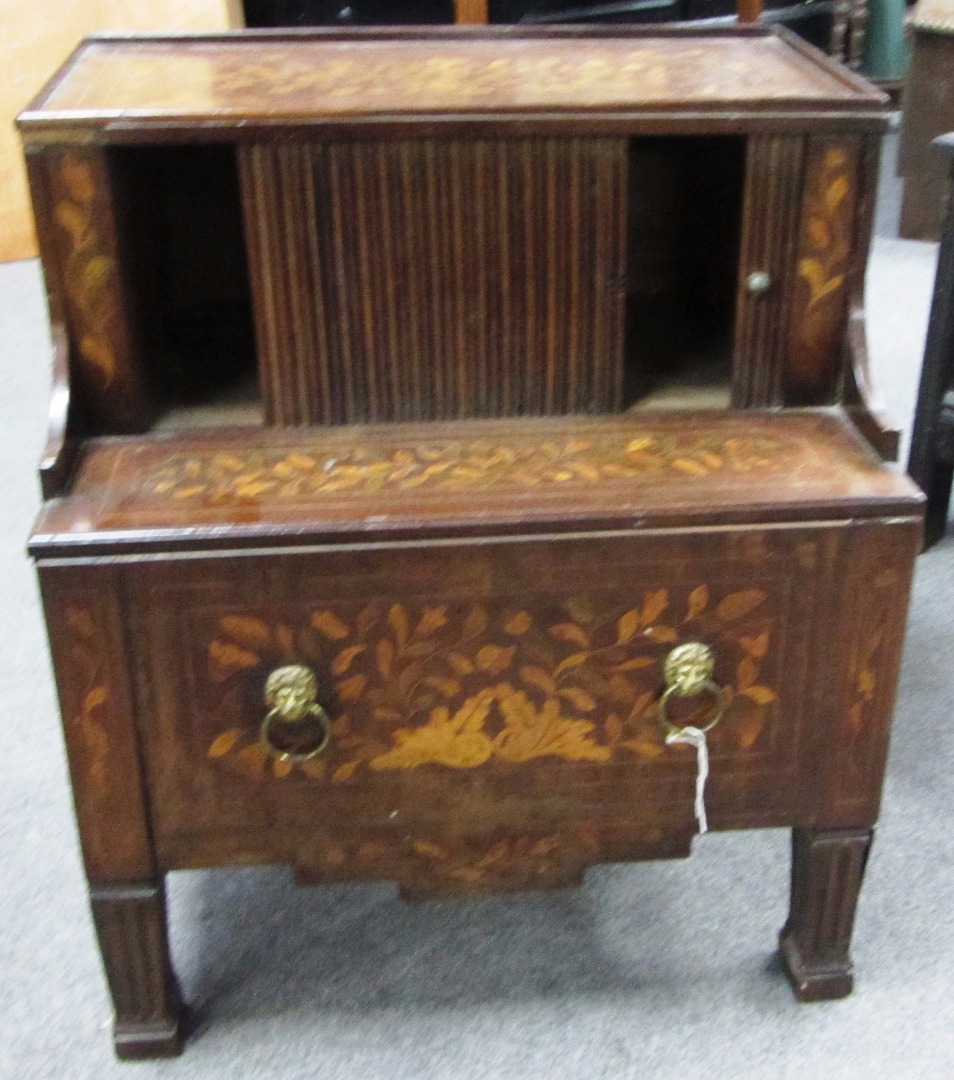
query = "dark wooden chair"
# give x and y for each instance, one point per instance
(931, 462)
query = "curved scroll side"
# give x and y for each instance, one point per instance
(59, 452)
(861, 401)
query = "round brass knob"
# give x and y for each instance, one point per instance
(296, 727)
(758, 283)
(688, 671)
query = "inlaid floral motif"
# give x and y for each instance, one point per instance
(90, 269)
(866, 663)
(826, 241)
(433, 864)
(88, 659)
(465, 686)
(484, 74)
(458, 465)
(88, 674)
(495, 863)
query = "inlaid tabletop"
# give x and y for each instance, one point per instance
(254, 77)
(480, 477)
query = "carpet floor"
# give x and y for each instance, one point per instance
(652, 970)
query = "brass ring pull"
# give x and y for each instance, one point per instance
(292, 694)
(688, 671)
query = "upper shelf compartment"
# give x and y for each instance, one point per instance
(122, 87)
(421, 225)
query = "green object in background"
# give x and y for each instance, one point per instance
(886, 46)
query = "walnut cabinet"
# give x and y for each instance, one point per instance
(363, 339)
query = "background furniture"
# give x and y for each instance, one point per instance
(931, 459)
(490, 723)
(885, 57)
(928, 106)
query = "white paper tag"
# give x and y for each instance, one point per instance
(693, 736)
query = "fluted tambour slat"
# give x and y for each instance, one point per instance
(434, 279)
(772, 205)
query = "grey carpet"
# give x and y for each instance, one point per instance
(655, 970)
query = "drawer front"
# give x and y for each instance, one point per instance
(495, 699)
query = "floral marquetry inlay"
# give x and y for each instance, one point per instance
(463, 686)
(828, 230)
(313, 77)
(85, 719)
(868, 662)
(483, 74)
(87, 654)
(278, 472)
(826, 247)
(438, 864)
(89, 265)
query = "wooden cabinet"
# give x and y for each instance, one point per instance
(392, 465)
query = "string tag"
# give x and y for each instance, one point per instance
(693, 736)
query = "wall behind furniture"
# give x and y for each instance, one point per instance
(37, 36)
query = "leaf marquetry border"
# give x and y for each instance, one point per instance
(826, 247)
(282, 473)
(90, 272)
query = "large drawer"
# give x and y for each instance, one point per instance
(493, 705)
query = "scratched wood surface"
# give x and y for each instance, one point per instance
(222, 487)
(458, 70)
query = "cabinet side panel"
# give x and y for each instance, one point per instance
(774, 165)
(416, 280)
(866, 659)
(84, 624)
(829, 247)
(85, 273)
(39, 177)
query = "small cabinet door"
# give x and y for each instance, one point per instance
(806, 221)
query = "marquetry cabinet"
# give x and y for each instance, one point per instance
(362, 340)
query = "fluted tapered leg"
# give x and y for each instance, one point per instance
(131, 926)
(827, 869)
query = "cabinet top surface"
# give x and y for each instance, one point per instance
(234, 79)
(254, 487)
